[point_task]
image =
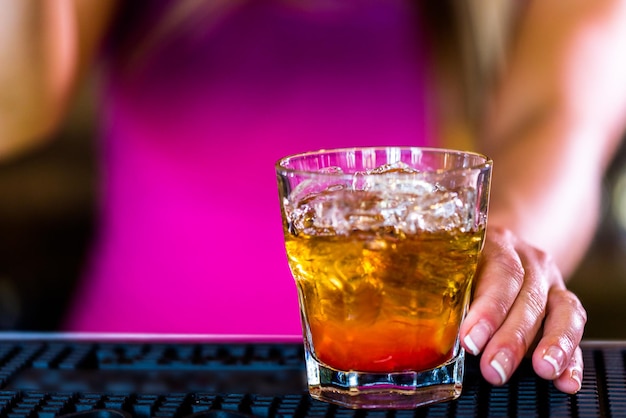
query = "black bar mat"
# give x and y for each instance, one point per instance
(40, 379)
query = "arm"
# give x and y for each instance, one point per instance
(553, 125)
(44, 47)
(555, 122)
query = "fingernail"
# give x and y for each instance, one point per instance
(476, 339)
(501, 363)
(555, 357)
(576, 376)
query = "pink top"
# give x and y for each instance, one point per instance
(190, 237)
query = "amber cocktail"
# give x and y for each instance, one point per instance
(383, 244)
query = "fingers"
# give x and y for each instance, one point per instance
(558, 356)
(570, 381)
(499, 280)
(513, 338)
(520, 298)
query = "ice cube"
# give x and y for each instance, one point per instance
(397, 167)
(392, 197)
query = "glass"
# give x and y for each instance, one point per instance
(383, 244)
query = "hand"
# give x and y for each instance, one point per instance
(520, 303)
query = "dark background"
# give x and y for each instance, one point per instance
(47, 206)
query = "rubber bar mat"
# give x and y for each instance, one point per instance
(41, 379)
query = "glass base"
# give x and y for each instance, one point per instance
(401, 390)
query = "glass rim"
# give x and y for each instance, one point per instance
(283, 170)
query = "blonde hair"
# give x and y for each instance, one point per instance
(484, 25)
(470, 42)
(181, 14)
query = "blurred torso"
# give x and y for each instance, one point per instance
(194, 117)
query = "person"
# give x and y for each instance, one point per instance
(200, 99)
